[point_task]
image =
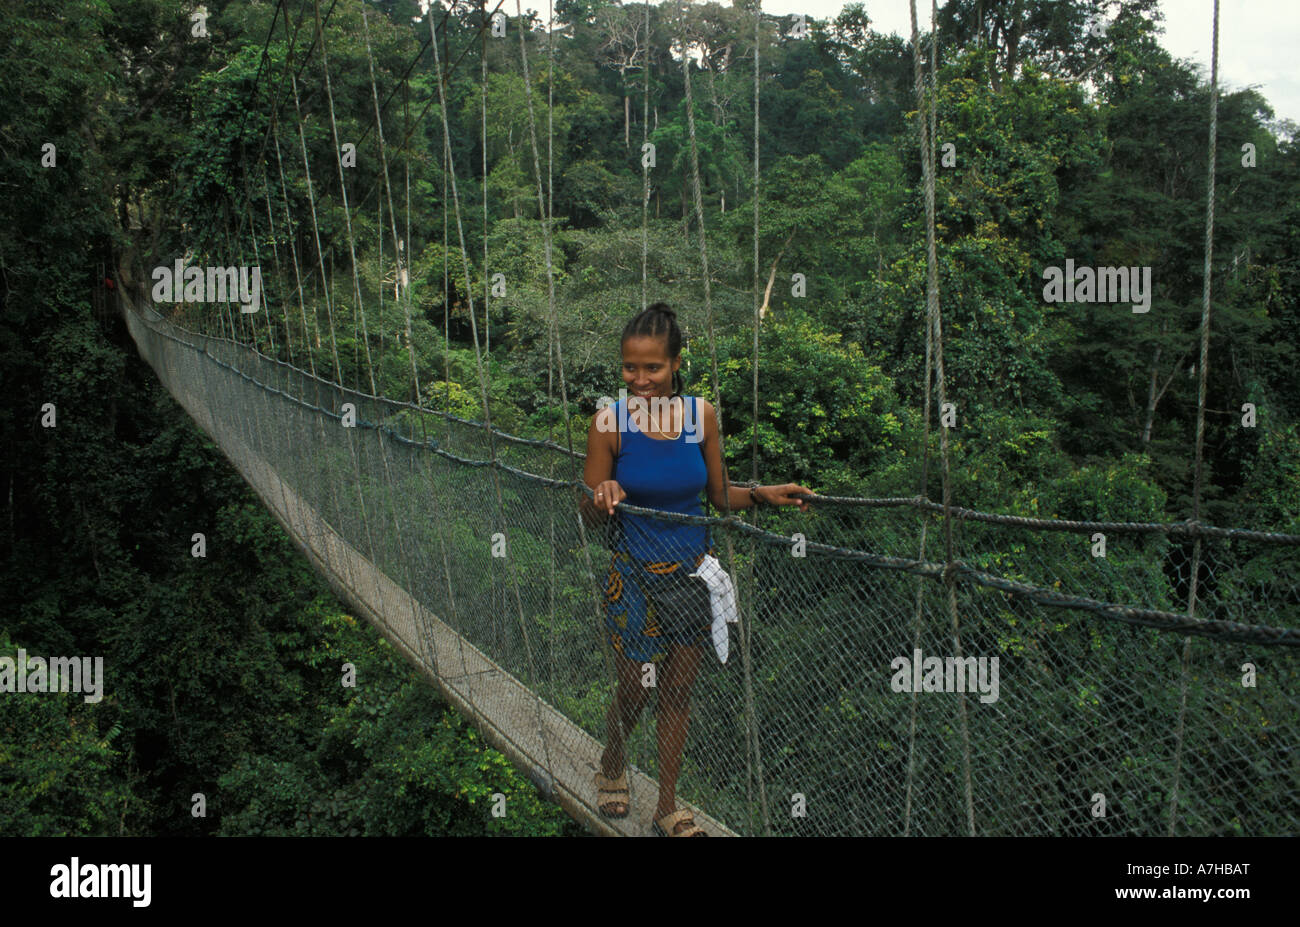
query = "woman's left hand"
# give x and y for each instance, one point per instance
(785, 494)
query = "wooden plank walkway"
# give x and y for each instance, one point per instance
(556, 754)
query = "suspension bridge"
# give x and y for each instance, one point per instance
(1151, 690)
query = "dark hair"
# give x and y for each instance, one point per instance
(658, 321)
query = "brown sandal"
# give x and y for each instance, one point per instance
(667, 825)
(618, 794)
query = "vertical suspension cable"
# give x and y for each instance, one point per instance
(311, 352)
(543, 208)
(403, 274)
(936, 324)
(550, 115)
(446, 304)
(246, 333)
(275, 248)
(920, 580)
(1200, 414)
(704, 260)
(925, 524)
(426, 640)
(273, 132)
(713, 354)
(359, 312)
(645, 168)
(446, 358)
(243, 258)
(487, 421)
(452, 612)
(257, 428)
(446, 287)
(758, 300)
(405, 243)
(487, 283)
(257, 262)
(337, 377)
(753, 760)
(550, 356)
(292, 232)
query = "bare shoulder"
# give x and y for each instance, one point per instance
(603, 421)
(603, 431)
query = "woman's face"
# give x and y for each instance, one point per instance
(647, 371)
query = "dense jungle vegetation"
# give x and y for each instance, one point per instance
(1066, 144)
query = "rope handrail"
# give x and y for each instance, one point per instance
(1164, 620)
(1217, 629)
(1186, 528)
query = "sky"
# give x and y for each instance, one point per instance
(1259, 40)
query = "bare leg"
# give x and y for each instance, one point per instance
(675, 683)
(630, 697)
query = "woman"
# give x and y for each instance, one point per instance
(654, 452)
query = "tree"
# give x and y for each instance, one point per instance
(1063, 38)
(624, 48)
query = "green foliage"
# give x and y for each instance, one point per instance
(392, 760)
(223, 670)
(827, 416)
(453, 398)
(58, 757)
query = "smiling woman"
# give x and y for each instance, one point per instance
(660, 450)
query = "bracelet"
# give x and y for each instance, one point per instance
(753, 496)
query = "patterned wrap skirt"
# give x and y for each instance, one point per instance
(630, 611)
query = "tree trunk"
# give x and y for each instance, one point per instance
(995, 39)
(719, 117)
(1151, 397)
(1013, 42)
(627, 108)
(771, 277)
(1154, 397)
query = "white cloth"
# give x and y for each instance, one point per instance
(722, 601)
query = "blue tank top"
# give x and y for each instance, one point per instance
(666, 474)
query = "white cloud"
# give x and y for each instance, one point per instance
(1258, 39)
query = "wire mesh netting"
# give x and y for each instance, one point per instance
(1035, 686)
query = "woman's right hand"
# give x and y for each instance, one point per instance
(608, 494)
